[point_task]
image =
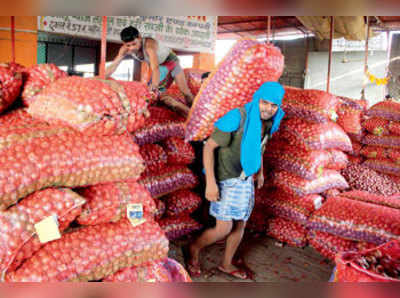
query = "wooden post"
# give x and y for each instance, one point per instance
(103, 49)
(269, 29)
(13, 39)
(365, 62)
(330, 56)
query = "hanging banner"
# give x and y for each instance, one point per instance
(188, 33)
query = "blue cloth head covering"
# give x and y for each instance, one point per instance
(250, 155)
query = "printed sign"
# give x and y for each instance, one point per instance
(187, 33)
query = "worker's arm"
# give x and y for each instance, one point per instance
(117, 61)
(151, 50)
(260, 175)
(176, 105)
(212, 192)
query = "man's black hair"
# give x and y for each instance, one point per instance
(129, 34)
(205, 75)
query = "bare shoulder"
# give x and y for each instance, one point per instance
(150, 43)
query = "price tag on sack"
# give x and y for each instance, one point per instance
(47, 229)
(135, 214)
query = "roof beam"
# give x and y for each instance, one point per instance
(258, 20)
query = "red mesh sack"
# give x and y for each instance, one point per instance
(394, 127)
(306, 164)
(395, 179)
(315, 136)
(243, 70)
(329, 245)
(356, 148)
(94, 252)
(154, 156)
(168, 180)
(36, 157)
(37, 78)
(295, 185)
(166, 270)
(160, 209)
(179, 152)
(10, 87)
(182, 202)
(377, 126)
(313, 105)
(388, 201)
(18, 240)
(389, 110)
(297, 209)
(358, 104)
(355, 159)
(176, 94)
(193, 79)
(93, 106)
(177, 227)
(379, 264)
(338, 161)
(258, 220)
(287, 231)
(361, 177)
(383, 165)
(108, 202)
(357, 220)
(374, 152)
(159, 132)
(14, 67)
(349, 119)
(162, 115)
(391, 141)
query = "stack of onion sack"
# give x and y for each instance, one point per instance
(351, 114)
(10, 86)
(35, 155)
(179, 206)
(19, 241)
(306, 157)
(380, 264)
(161, 124)
(288, 215)
(93, 106)
(94, 252)
(383, 141)
(358, 220)
(38, 77)
(242, 71)
(172, 185)
(166, 270)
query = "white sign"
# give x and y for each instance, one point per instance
(188, 33)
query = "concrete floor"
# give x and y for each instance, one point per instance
(266, 261)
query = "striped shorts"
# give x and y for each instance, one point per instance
(236, 200)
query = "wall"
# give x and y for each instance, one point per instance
(295, 60)
(25, 42)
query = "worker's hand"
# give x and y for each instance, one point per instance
(212, 192)
(260, 180)
(123, 51)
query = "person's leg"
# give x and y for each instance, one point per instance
(180, 80)
(232, 244)
(210, 236)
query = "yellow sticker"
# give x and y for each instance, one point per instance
(134, 212)
(47, 229)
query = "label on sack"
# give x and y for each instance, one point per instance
(135, 214)
(317, 203)
(47, 229)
